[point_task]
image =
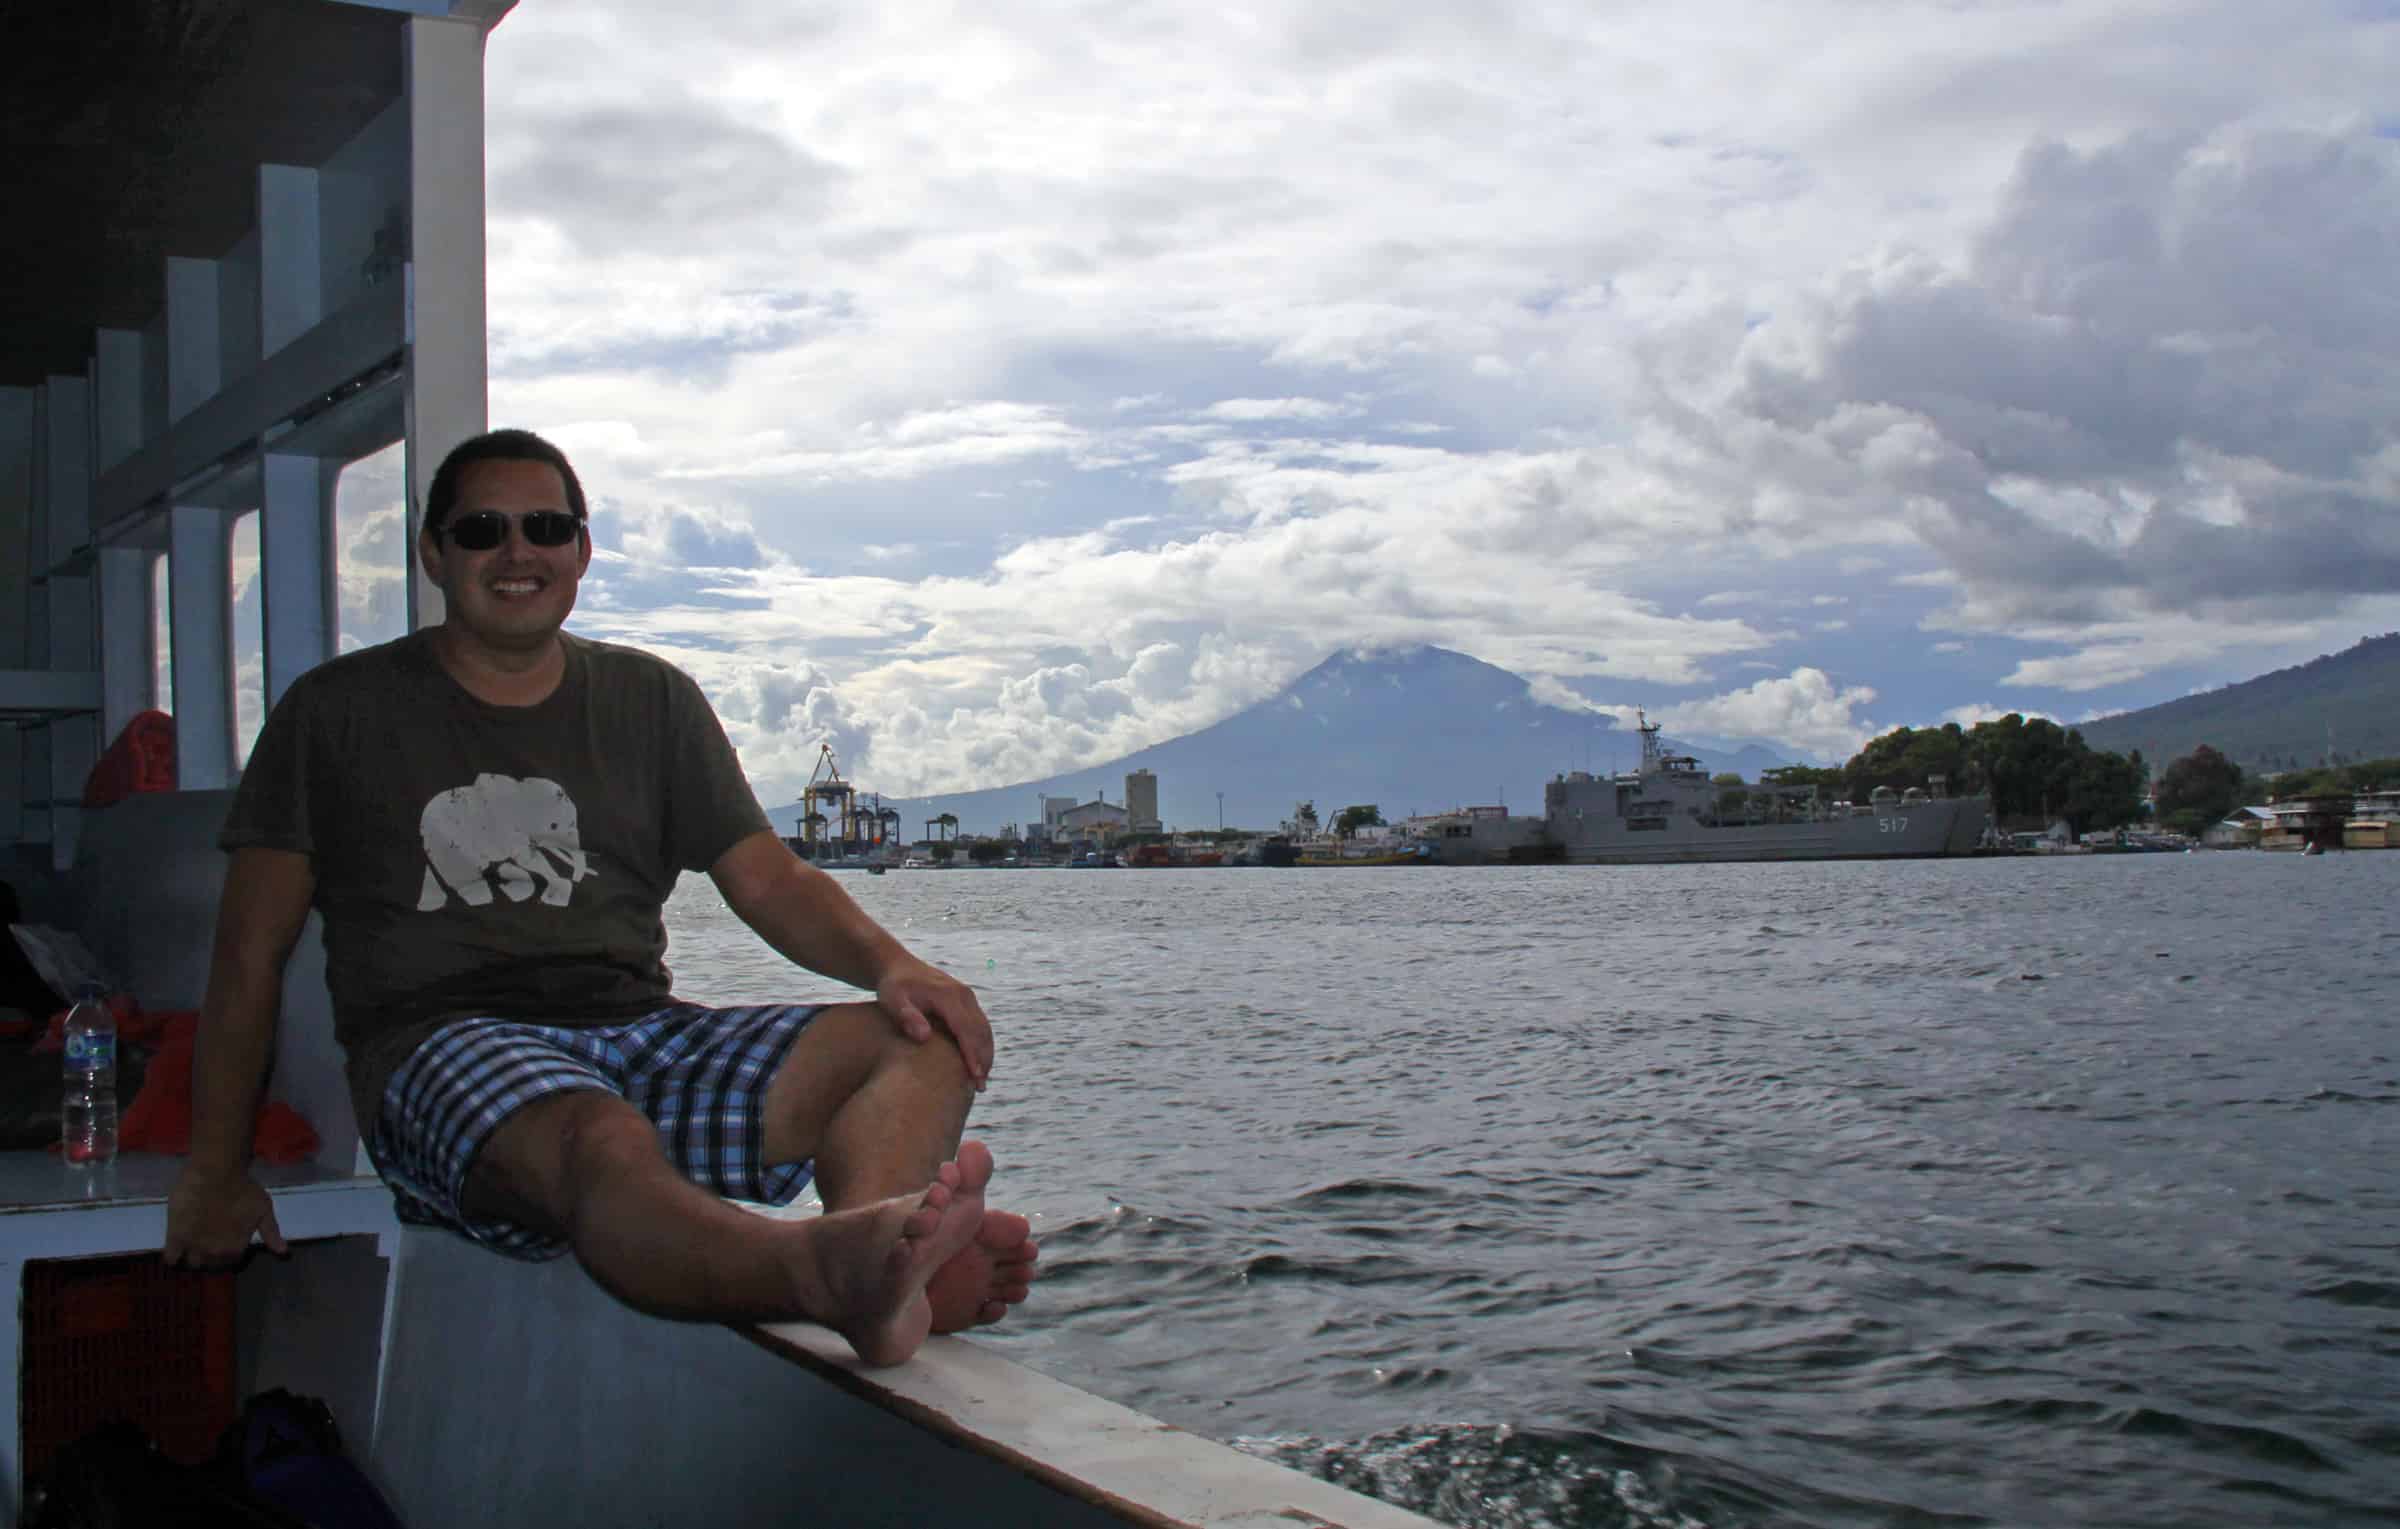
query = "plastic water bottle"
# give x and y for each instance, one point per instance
(90, 1115)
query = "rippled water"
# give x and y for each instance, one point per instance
(1982, 1192)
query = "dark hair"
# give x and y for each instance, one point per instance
(496, 446)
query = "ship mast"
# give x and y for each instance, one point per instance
(1652, 763)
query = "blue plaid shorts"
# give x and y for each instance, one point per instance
(700, 1074)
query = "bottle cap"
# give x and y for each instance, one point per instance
(91, 990)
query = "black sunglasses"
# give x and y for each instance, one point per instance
(482, 530)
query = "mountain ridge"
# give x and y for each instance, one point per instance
(1411, 730)
(2278, 720)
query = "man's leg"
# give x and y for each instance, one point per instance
(588, 1168)
(878, 1113)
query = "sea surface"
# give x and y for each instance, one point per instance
(2041, 1192)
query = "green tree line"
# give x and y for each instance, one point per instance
(2036, 771)
(2339, 779)
(2033, 770)
(2201, 788)
(2205, 787)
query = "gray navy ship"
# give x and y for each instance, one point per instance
(1670, 811)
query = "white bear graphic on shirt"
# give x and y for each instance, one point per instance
(520, 833)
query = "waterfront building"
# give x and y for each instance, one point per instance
(1141, 801)
(2240, 831)
(1095, 821)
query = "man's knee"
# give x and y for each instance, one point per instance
(938, 1060)
(865, 1034)
(538, 1162)
(846, 1050)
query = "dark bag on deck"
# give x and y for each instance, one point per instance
(287, 1452)
(115, 1478)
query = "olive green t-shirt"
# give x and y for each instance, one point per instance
(474, 859)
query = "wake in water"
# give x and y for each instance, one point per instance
(1485, 1477)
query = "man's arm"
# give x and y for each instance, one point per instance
(215, 1206)
(800, 911)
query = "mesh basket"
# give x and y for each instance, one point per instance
(130, 1338)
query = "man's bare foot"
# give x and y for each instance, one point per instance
(864, 1271)
(993, 1272)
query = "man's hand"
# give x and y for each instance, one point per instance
(210, 1221)
(920, 998)
(796, 908)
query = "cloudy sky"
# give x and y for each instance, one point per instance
(995, 390)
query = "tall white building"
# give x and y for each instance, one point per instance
(1141, 801)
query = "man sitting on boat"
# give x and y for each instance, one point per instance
(490, 814)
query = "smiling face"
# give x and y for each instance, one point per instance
(510, 601)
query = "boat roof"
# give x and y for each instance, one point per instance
(134, 131)
(212, 200)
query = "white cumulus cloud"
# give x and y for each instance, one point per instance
(1806, 710)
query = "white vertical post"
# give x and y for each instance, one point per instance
(121, 572)
(200, 600)
(193, 350)
(67, 485)
(200, 559)
(66, 497)
(237, 311)
(123, 575)
(16, 596)
(295, 583)
(291, 278)
(125, 659)
(16, 523)
(295, 579)
(447, 380)
(154, 375)
(33, 783)
(68, 522)
(116, 395)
